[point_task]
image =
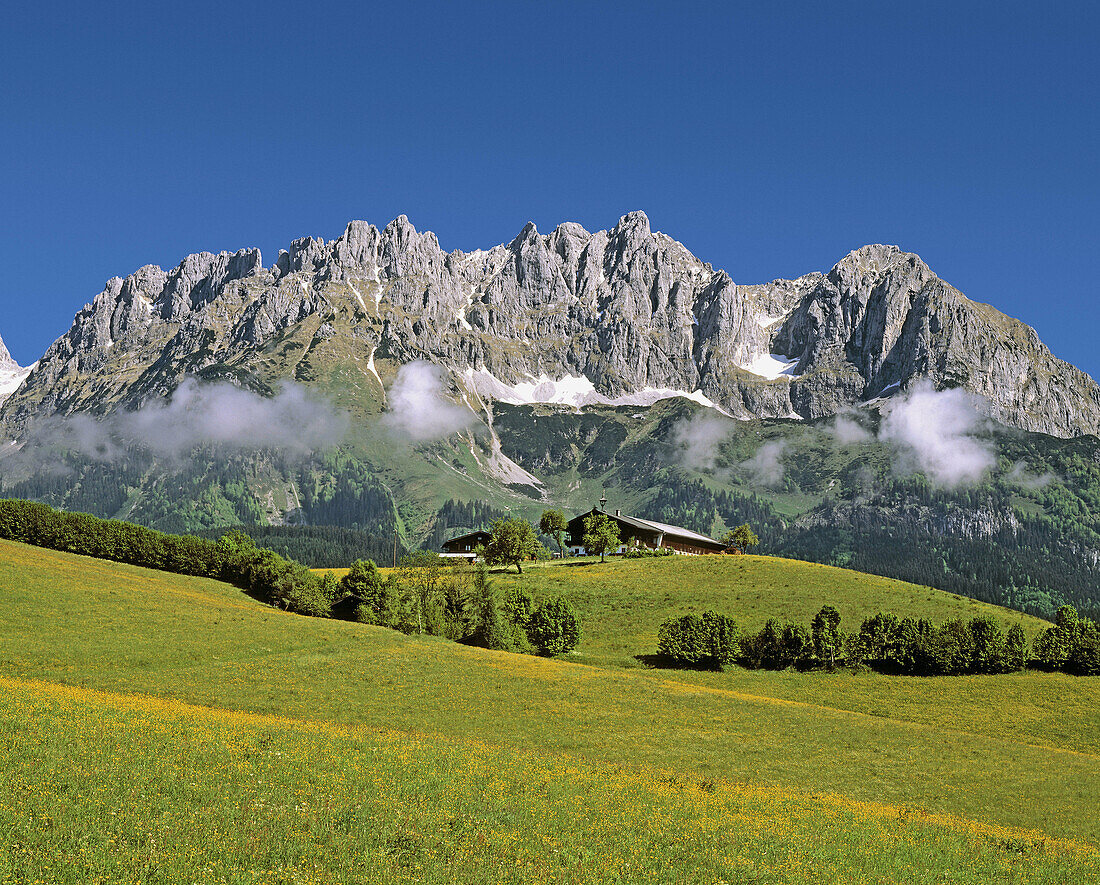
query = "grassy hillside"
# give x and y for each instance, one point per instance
(622, 602)
(1012, 751)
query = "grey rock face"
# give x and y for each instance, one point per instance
(880, 320)
(627, 310)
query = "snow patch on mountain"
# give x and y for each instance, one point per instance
(571, 390)
(11, 378)
(772, 366)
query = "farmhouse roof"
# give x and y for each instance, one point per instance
(471, 535)
(649, 525)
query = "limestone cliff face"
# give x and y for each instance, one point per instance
(880, 320)
(623, 315)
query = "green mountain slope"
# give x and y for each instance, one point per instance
(1026, 536)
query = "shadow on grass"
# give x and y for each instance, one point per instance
(663, 662)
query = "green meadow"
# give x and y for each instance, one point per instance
(589, 768)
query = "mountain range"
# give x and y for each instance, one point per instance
(381, 380)
(624, 316)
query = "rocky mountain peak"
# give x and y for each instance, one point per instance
(636, 220)
(525, 237)
(12, 374)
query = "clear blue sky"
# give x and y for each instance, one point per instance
(770, 138)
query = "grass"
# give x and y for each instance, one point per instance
(1015, 751)
(108, 789)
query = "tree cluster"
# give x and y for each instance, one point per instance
(458, 602)
(920, 648)
(1071, 645)
(883, 642)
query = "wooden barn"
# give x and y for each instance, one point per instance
(644, 532)
(463, 546)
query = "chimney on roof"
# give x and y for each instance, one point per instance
(617, 512)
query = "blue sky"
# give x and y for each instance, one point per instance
(771, 139)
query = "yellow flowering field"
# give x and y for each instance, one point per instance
(97, 787)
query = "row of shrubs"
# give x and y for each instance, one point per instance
(883, 642)
(426, 598)
(639, 551)
(234, 558)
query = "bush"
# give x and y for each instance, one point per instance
(553, 628)
(777, 646)
(988, 648)
(381, 598)
(517, 606)
(682, 640)
(712, 640)
(1015, 649)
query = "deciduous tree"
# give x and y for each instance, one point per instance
(601, 534)
(740, 539)
(513, 540)
(553, 523)
(825, 634)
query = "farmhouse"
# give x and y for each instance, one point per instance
(643, 532)
(463, 546)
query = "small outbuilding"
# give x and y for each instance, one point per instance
(347, 609)
(634, 531)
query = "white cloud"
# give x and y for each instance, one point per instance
(220, 415)
(1023, 477)
(934, 432)
(418, 409)
(765, 468)
(698, 438)
(847, 430)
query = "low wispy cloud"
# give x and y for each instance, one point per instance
(847, 430)
(696, 440)
(935, 432)
(765, 468)
(1024, 478)
(418, 409)
(293, 422)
